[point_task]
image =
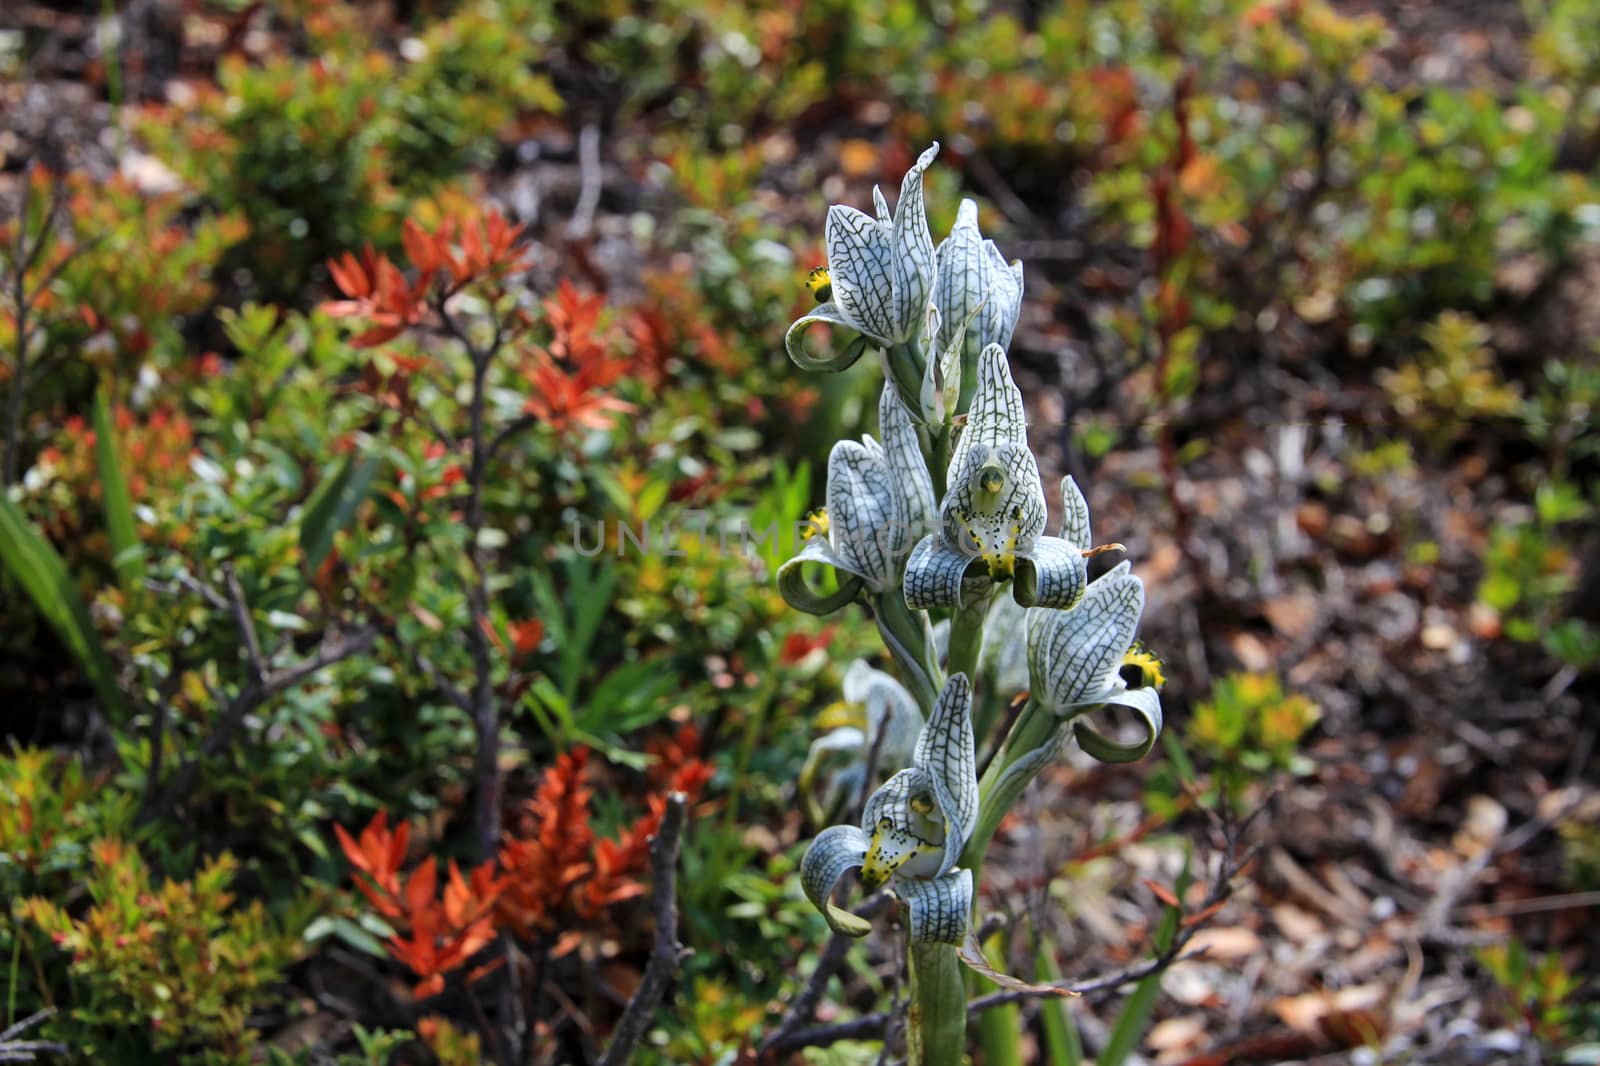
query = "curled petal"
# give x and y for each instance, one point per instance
(1146, 703)
(946, 753)
(939, 906)
(835, 851)
(1073, 654)
(934, 574)
(794, 341)
(1074, 514)
(861, 266)
(800, 594)
(1050, 573)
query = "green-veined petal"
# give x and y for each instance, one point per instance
(1075, 527)
(935, 574)
(938, 907)
(835, 851)
(946, 753)
(830, 314)
(861, 266)
(1146, 703)
(800, 594)
(1050, 573)
(913, 249)
(1073, 654)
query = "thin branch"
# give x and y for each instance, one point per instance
(505, 435)
(247, 627)
(591, 181)
(833, 955)
(14, 1050)
(254, 693)
(667, 954)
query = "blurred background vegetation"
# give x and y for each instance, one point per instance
(1311, 309)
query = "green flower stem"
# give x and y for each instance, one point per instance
(937, 1032)
(999, 1028)
(905, 369)
(966, 635)
(998, 790)
(909, 642)
(938, 458)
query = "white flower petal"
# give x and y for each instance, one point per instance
(914, 506)
(934, 575)
(939, 908)
(1146, 703)
(835, 851)
(1074, 514)
(913, 249)
(861, 271)
(946, 753)
(1072, 654)
(1050, 573)
(829, 313)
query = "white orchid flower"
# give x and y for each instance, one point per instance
(880, 273)
(912, 831)
(993, 515)
(1075, 659)
(874, 705)
(879, 501)
(978, 288)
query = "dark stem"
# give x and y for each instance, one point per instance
(255, 692)
(668, 954)
(485, 720)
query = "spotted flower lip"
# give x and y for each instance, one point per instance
(881, 272)
(1074, 659)
(912, 831)
(879, 501)
(992, 518)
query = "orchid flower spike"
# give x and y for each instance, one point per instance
(880, 273)
(991, 527)
(880, 500)
(978, 292)
(912, 832)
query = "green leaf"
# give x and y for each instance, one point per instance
(334, 504)
(42, 573)
(127, 555)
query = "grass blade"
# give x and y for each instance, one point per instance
(35, 565)
(126, 553)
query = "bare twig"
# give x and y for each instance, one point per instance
(667, 954)
(592, 180)
(255, 692)
(247, 627)
(833, 955)
(485, 719)
(14, 1050)
(1433, 927)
